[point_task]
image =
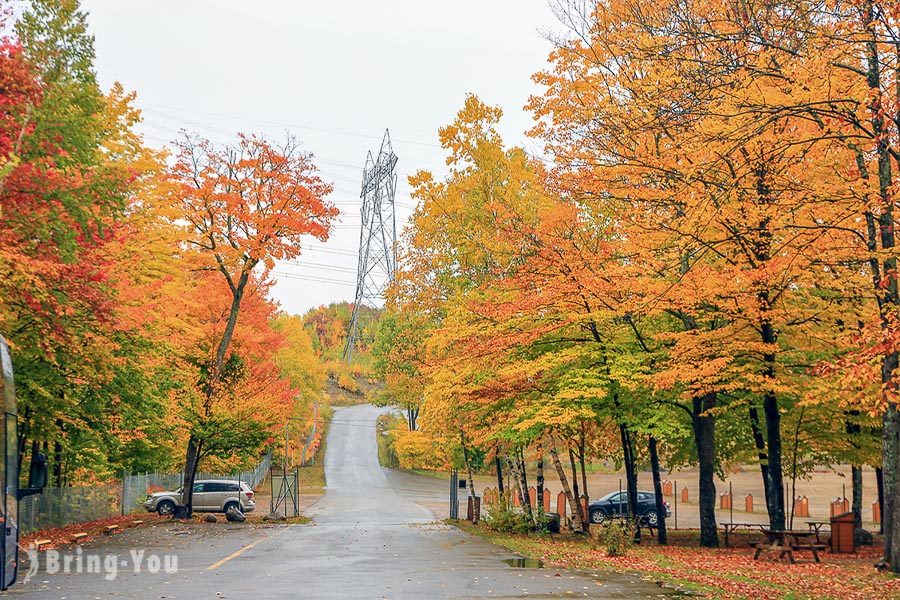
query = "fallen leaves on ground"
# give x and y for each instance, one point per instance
(720, 572)
(61, 536)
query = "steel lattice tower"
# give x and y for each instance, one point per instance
(377, 236)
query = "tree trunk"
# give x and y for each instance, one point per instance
(657, 490)
(856, 477)
(886, 288)
(891, 516)
(581, 460)
(539, 496)
(577, 523)
(58, 453)
(523, 491)
(770, 401)
(499, 466)
(471, 482)
(522, 467)
(704, 425)
(630, 479)
(760, 443)
(879, 483)
(192, 459)
(776, 480)
(575, 490)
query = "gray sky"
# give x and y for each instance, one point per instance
(336, 74)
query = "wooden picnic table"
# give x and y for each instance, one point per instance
(729, 528)
(817, 526)
(786, 542)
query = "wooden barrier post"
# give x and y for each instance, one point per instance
(725, 500)
(532, 497)
(667, 488)
(545, 501)
(684, 494)
(748, 503)
(561, 506)
(876, 512)
(839, 506)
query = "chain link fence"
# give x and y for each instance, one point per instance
(58, 507)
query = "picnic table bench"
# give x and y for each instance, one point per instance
(729, 528)
(786, 543)
(817, 526)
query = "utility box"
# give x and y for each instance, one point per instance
(843, 530)
(553, 522)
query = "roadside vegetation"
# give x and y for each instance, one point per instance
(135, 294)
(697, 268)
(717, 573)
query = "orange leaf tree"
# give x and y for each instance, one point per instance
(248, 205)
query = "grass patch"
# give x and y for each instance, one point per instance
(298, 520)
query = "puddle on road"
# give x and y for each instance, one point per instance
(524, 563)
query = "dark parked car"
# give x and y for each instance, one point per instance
(616, 504)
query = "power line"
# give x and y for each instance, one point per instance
(312, 278)
(294, 263)
(148, 107)
(329, 250)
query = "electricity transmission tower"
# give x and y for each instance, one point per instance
(377, 237)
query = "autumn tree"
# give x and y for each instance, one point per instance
(398, 353)
(815, 93)
(69, 176)
(248, 205)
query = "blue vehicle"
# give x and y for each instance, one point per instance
(9, 474)
(615, 504)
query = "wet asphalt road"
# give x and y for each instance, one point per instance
(368, 541)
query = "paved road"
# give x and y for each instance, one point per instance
(368, 541)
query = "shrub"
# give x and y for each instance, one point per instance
(541, 519)
(347, 382)
(386, 455)
(505, 519)
(614, 537)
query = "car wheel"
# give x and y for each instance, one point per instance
(598, 517)
(652, 518)
(165, 508)
(231, 505)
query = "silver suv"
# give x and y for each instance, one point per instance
(210, 495)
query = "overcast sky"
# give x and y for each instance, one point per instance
(334, 73)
